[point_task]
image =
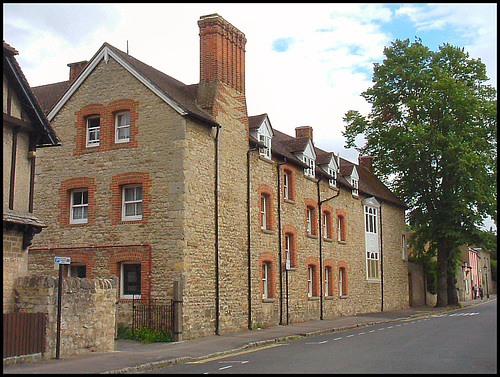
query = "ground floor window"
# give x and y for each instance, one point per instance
(130, 280)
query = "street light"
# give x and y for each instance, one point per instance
(486, 274)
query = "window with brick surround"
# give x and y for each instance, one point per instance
(130, 197)
(327, 224)
(130, 279)
(290, 246)
(77, 201)
(328, 288)
(342, 281)
(268, 276)
(77, 270)
(311, 217)
(266, 208)
(312, 280)
(79, 206)
(93, 130)
(288, 174)
(122, 127)
(132, 202)
(341, 226)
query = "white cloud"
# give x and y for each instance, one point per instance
(328, 63)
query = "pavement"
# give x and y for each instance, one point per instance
(135, 357)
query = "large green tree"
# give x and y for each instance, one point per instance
(432, 133)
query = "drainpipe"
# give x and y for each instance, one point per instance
(381, 262)
(216, 214)
(320, 203)
(249, 254)
(280, 263)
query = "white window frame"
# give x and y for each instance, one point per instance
(332, 181)
(371, 219)
(135, 202)
(286, 185)
(327, 281)
(265, 279)
(342, 273)
(310, 280)
(263, 211)
(355, 183)
(288, 251)
(120, 127)
(94, 130)
(265, 151)
(82, 206)
(309, 221)
(372, 265)
(310, 171)
(122, 280)
(404, 250)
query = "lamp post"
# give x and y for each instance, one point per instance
(486, 274)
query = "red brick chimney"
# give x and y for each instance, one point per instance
(366, 161)
(222, 52)
(304, 131)
(76, 68)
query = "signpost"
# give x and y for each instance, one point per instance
(60, 261)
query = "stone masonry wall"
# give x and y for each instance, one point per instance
(88, 316)
(15, 264)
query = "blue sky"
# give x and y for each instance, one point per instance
(306, 64)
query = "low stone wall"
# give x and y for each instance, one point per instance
(88, 315)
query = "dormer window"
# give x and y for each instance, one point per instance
(353, 179)
(265, 151)
(332, 181)
(354, 182)
(309, 172)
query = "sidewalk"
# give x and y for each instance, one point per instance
(133, 356)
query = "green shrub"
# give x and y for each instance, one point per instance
(147, 335)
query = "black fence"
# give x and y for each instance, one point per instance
(153, 314)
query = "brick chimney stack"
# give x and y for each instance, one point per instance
(76, 68)
(222, 52)
(304, 131)
(367, 162)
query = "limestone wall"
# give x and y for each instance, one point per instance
(88, 316)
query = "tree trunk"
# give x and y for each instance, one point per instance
(452, 281)
(442, 274)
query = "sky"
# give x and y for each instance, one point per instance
(306, 64)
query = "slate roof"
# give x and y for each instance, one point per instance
(16, 77)
(22, 218)
(186, 97)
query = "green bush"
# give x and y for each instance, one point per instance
(147, 335)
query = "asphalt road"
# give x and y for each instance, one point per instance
(463, 341)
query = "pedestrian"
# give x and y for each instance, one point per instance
(481, 291)
(474, 291)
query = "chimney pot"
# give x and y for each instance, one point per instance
(367, 162)
(304, 131)
(76, 68)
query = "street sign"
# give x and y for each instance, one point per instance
(62, 260)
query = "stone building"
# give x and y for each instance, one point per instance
(25, 128)
(166, 184)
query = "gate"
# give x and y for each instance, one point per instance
(24, 333)
(153, 314)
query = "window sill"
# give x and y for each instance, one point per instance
(312, 236)
(326, 239)
(289, 201)
(329, 297)
(266, 159)
(267, 231)
(268, 300)
(342, 242)
(313, 298)
(344, 297)
(375, 281)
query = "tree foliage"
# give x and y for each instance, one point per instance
(432, 133)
